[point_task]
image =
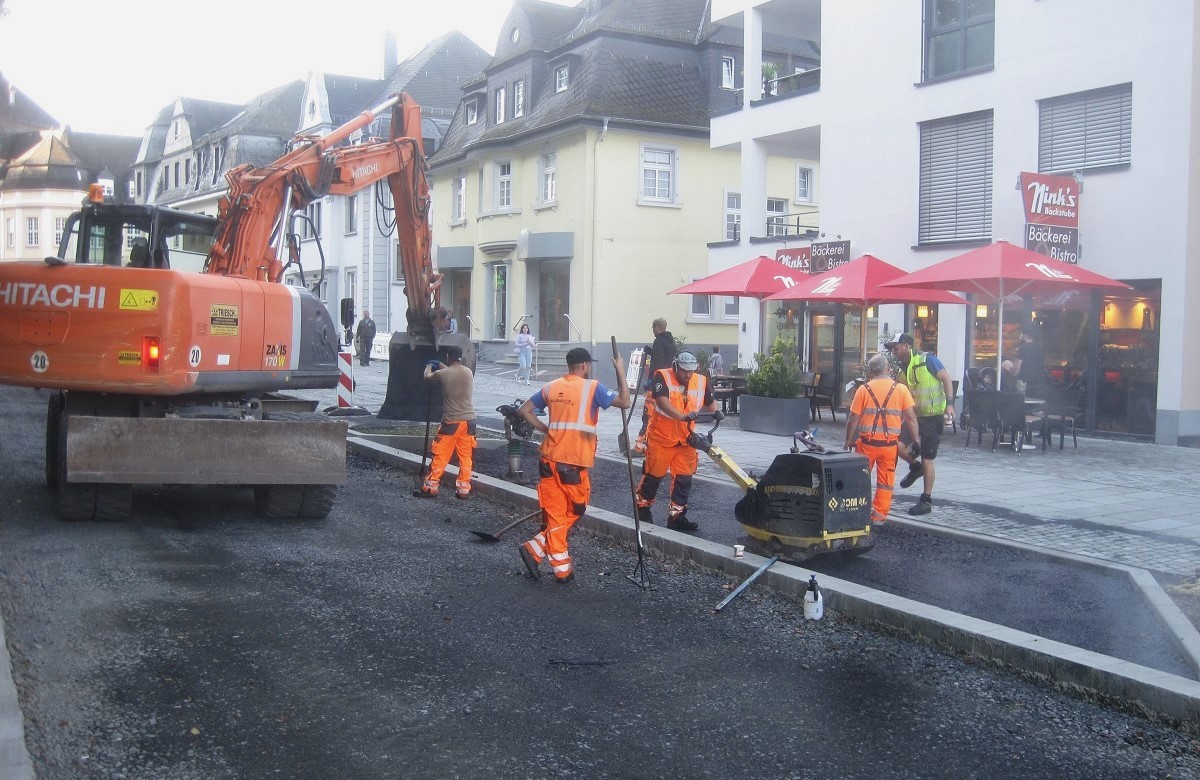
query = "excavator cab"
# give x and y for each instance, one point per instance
(139, 236)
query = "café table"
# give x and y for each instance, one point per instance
(726, 389)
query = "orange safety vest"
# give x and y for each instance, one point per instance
(668, 430)
(886, 417)
(572, 423)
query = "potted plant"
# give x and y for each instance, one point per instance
(770, 72)
(773, 402)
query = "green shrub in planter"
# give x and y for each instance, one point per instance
(776, 375)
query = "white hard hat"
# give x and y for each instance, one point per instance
(687, 361)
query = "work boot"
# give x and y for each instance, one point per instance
(423, 493)
(923, 506)
(462, 494)
(915, 469)
(680, 523)
(644, 515)
(564, 580)
(531, 565)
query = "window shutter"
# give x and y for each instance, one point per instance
(955, 199)
(1085, 130)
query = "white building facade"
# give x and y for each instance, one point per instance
(925, 115)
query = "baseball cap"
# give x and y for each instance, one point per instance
(903, 338)
(579, 355)
(687, 361)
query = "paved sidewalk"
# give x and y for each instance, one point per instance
(1123, 502)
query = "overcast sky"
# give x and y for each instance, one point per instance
(108, 66)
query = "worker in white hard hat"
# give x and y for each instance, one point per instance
(680, 393)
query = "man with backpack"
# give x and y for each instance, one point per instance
(933, 391)
(881, 408)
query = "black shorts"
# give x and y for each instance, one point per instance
(930, 429)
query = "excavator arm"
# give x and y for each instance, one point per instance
(256, 214)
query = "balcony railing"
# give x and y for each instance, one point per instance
(797, 224)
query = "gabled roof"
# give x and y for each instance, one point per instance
(649, 79)
(69, 160)
(540, 24)
(21, 121)
(435, 75)
(349, 96)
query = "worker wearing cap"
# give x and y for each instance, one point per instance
(881, 408)
(680, 394)
(932, 390)
(573, 403)
(456, 434)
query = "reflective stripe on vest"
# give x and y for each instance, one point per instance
(572, 436)
(689, 399)
(927, 390)
(884, 413)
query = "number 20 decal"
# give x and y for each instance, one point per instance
(194, 357)
(40, 361)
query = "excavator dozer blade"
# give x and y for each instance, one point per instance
(205, 451)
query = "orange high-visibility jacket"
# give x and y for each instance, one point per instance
(572, 423)
(670, 431)
(880, 405)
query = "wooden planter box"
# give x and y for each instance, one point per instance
(779, 416)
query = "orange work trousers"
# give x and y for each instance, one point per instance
(452, 437)
(563, 493)
(679, 459)
(881, 458)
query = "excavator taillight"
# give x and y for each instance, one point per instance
(150, 352)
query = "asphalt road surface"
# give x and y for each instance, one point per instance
(198, 641)
(1081, 606)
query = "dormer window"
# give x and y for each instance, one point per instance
(472, 112)
(561, 78)
(500, 104)
(519, 98)
(515, 35)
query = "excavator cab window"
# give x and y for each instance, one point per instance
(138, 236)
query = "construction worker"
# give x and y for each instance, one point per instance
(568, 451)
(660, 354)
(930, 384)
(456, 434)
(680, 394)
(364, 337)
(879, 409)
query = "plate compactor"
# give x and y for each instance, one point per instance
(807, 503)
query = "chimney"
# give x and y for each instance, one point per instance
(390, 61)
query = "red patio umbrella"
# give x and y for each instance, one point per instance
(1002, 269)
(755, 278)
(861, 282)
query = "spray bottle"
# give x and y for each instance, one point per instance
(814, 602)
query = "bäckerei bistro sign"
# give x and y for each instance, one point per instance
(1051, 215)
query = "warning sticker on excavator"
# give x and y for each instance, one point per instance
(223, 319)
(129, 357)
(139, 300)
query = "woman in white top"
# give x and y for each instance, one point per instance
(524, 349)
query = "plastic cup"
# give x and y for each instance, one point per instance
(739, 550)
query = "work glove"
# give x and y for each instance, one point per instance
(914, 449)
(690, 417)
(433, 364)
(718, 415)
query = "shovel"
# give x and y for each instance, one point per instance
(489, 537)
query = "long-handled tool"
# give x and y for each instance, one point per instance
(745, 584)
(425, 450)
(640, 576)
(490, 537)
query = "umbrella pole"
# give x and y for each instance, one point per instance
(862, 337)
(1000, 339)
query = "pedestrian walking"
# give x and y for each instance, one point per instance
(524, 348)
(456, 434)
(929, 382)
(573, 403)
(680, 394)
(364, 337)
(881, 408)
(716, 364)
(662, 353)
(1030, 365)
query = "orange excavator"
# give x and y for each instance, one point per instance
(167, 337)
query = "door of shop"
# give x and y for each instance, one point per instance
(554, 284)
